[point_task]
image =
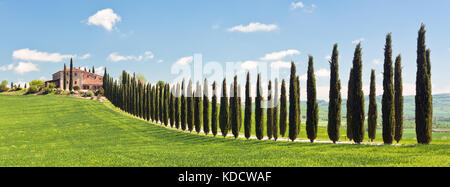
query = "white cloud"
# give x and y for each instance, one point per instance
(280, 55)
(254, 27)
(105, 18)
(249, 65)
(295, 5)
(34, 55)
(100, 70)
(115, 57)
(85, 56)
(185, 60)
(328, 58)
(319, 74)
(280, 64)
(358, 41)
(300, 5)
(160, 61)
(25, 67)
(376, 61)
(7, 67)
(149, 55)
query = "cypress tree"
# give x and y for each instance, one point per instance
(334, 106)
(349, 106)
(269, 111)
(388, 110)
(234, 109)
(172, 106)
(259, 128)
(156, 101)
(223, 116)
(205, 107)
(198, 112)
(299, 114)
(166, 104)
(248, 108)
(161, 102)
(283, 109)
(373, 114)
(71, 75)
(177, 106)
(214, 109)
(93, 69)
(65, 78)
(293, 104)
(239, 96)
(358, 98)
(424, 98)
(190, 107)
(312, 115)
(183, 108)
(275, 112)
(149, 101)
(398, 99)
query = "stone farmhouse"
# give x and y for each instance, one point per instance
(84, 79)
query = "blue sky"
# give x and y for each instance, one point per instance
(149, 37)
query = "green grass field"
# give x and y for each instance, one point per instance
(65, 131)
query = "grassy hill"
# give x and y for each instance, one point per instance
(65, 131)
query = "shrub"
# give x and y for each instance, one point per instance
(3, 86)
(47, 90)
(52, 85)
(58, 91)
(65, 92)
(89, 94)
(76, 88)
(33, 89)
(38, 83)
(100, 92)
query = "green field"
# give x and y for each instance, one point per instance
(65, 131)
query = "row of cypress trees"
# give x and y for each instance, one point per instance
(181, 106)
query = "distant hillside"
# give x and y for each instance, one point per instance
(441, 109)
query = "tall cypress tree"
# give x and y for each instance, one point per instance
(269, 111)
(275, 112)
(424, 98)
(172, 105)
(183, 108)
(239, 107)
(358, 115)
(234, 109)
(373, 114)
(156, 100)
(398, 99)
(205, 107)
(223, 116)
(312, 114)
(214, 109)
(283, 109)
(299, 113)
(349, 106)
(334, 106)
(190, 107)
(177, 106)
(259, 128)
(65, 78)
(248, 108)
(293, 104)
(388, 107)
(198, 112)
(161, 102)
(71, 75)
